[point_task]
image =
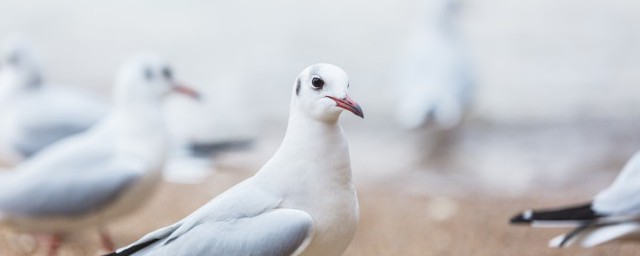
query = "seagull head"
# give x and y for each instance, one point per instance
(321, 91)
(147, 77)
(20, 63)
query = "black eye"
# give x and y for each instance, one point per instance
(148, 73)
(317, 83)
(167, 73)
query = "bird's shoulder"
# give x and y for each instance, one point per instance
(245, 199)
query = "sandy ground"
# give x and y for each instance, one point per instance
(393, 222)
(458, 203)
(554, 119)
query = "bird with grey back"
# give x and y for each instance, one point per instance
(433, 73)
(301, 202)
(106, 172)
(614, 213)
(33, 113)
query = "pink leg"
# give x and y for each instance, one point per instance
(52, 242)
(105, 240)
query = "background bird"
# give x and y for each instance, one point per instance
(33, 113)
(433, 75)
(613, 213)
(302, 201)
(89, 179)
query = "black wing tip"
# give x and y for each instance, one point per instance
(582, 212)
(206, 149)
(133, 249)
(522, 218)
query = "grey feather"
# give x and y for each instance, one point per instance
(242, 221)
(38, 138)
(72, 194)
(73, 177)
(277, 232)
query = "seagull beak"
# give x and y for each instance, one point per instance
(348, 104)
(187, 91)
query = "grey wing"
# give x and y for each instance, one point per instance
(275, 232)
(146, 241)
(66, 194)
(621, 197)
(36, 138)
(53, 115)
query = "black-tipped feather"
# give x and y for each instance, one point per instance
(582, 212)
(133, 249)
(209, 149)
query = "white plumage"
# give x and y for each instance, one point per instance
(89, 179)
(301, 202)
(433, 74)
(614, 213)
(33, 113)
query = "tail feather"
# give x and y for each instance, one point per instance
(133, 249)
(208, 149)
(594, 235)
(570, 216)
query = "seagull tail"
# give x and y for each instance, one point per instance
(212, 148)
(598, 235)
(133, 249)
(573, 216)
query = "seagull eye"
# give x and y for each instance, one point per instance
(167, 73)
(317, 83)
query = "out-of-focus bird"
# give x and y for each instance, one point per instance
(302, 201)
(433, 74)
(192, 162)
(612, 214)
(106, 172)
(33, 113)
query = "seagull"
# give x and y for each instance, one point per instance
(192, 162)
(34, 114)
(302, 201)
(88, 179)
(613, 213)
(433, 74)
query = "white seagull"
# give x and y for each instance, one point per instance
(433, 74)
(302, 201)
(34, 114)
(91, 178)
(612, 214)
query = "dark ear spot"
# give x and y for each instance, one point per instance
(167, 73)
(298, 86)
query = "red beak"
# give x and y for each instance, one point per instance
(187, 91)
(348, 104)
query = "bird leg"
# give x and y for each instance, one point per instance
(105, 240)
(52, 242)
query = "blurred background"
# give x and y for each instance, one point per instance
(553, 113)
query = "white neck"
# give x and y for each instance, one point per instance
(11, 86)
(312, 151)
(141, 134)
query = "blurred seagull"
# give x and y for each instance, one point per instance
(106, 172)
(613, 213)
(302, 201)
(433, 73)
(34, 114)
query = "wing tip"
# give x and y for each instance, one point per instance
(522, 218)
(132, 249)
(579, 213)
